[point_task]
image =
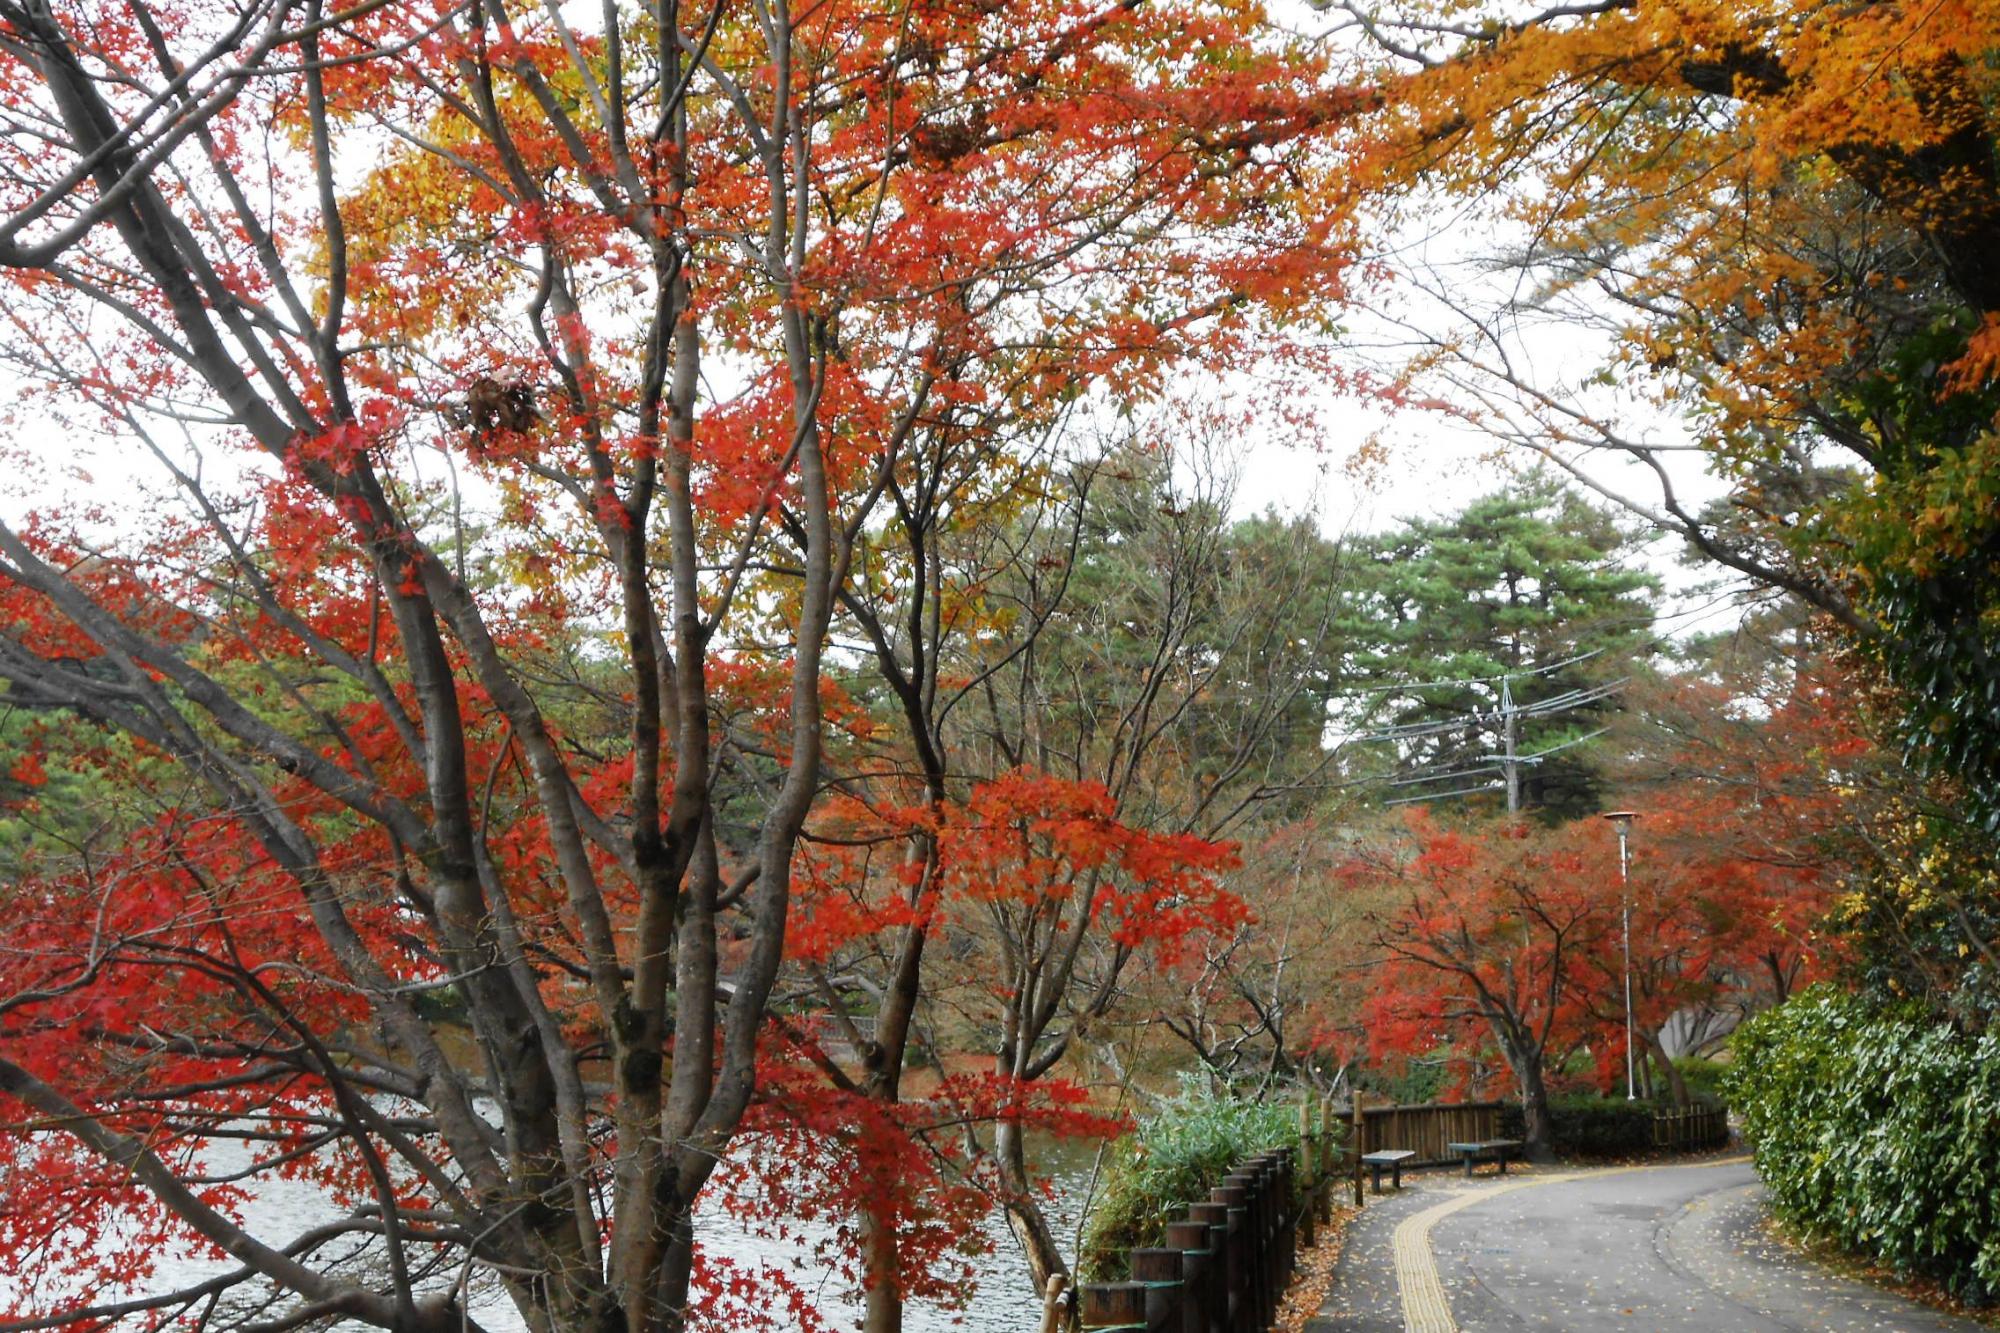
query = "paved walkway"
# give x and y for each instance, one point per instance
(1678, 1248)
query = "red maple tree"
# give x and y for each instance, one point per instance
(1520, 937)
(511, 393)
(1481, 946)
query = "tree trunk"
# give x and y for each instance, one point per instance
(676, 1280)
(1024, 1216)
(1676, 1085)
(881, 1276)
(1537, 1134)
(881, 1266)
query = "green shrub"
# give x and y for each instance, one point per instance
(1703, 1078)
(1590, 1126)
(1173, 1159)
(1417, 1082)
(1602, 1126)
(1879, 1131)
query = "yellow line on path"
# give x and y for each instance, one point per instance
(1425, 1307)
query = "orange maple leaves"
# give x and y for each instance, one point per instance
(1029, 839)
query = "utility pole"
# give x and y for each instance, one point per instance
(1510, 760)
(1622, 819)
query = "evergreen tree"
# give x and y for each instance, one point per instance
(1189, 661)
(1530, 596)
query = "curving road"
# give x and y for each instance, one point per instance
(1662, 1248)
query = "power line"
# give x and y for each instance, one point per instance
(1509, 762)
(1563, 703)
(1441, 777)
(1587, 736)
(1441, 795)
(1418, 687)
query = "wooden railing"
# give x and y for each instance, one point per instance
(1691, 1130)
(1425, 1129)
(1225, 1266)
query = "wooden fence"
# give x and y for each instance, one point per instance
(1425, 1129)
(1691, 1130)
(1225, 1267)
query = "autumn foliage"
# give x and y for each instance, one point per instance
(583, 590)
(1769, 229)
(505, 406)
(1504, 943)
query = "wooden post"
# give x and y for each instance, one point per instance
(1113, 1304)
(1237, 1259)
(1276, 1233)
(1308, 1174)
(1159, 1271)
(1288, 1217)
(1355, 1151)
(1214, 1218)
(1282, 1238)
(1257, 1179)
(1195, 1243)
(1327, 1157)
(1052, 1303)
(1247, 1183)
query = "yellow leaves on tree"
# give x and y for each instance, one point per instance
(1764, 185)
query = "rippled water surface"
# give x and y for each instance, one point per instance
(1004, 1303)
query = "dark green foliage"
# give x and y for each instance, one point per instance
(1197, 648)
(64, 785)
(1526, 578)
(1592, 1126)
(1879, 1130)
(1927, 547)
(1173, 1159)
(1923, 544)
(1602, 1126)
(1703, 1078)
(1418, 1081)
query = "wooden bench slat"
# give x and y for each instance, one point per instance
(1483, 1150)
(1393, 1158)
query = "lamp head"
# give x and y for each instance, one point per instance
(1621, 819)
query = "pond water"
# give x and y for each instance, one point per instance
(1005, 1302)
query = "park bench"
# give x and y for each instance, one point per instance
(1393, 1158)
(1484, 1150)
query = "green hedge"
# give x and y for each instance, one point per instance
(1173, 1159)
(1879, 1131)
(1590, 1126)
(1602, 1126)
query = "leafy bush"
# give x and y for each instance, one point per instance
(1602, 1126)
(1172, 1160)
(1417, 1082)
(1703, 1078)
(1590, 1126)
(1878, 1130)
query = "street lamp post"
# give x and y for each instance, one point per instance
(1622, 821)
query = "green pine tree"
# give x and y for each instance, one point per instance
(1515, 584)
